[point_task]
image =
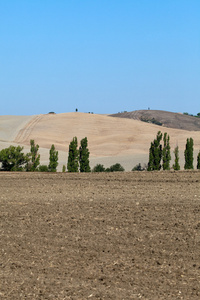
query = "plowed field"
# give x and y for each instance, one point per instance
(100, 236)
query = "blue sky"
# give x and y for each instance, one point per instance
(101, 56)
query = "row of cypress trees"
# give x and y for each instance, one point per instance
(34, 163)
(13, 159)
(78, 159)
(160, 155)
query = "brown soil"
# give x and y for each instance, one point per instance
(100, 236)
(168, 119)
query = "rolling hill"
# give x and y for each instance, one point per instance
(163, 118)
(111, 139)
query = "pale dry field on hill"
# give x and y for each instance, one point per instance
(111, 140)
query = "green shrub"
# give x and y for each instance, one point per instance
(13, 159)
(98, 168)
(43, 168)
(115, 168)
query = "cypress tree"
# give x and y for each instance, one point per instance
(151, 159)
(84, 156)
(189, 154)
(72, 164)
(155, 153)
(166, 152)
(176, 165)
(53, 159)
(35, 157)
(198, 161)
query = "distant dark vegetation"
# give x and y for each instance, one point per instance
(152, 121)
(197, 115)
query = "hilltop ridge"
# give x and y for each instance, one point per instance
(163, 118)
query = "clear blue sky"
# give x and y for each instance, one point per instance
(102, 56)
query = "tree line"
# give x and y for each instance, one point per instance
(160, 154)
(13, 159)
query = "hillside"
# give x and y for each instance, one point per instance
(111, 140)
(167, 119)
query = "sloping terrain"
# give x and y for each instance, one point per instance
(11, 125)
(167, 119)
(111, 140)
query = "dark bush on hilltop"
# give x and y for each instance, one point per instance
(98, 168)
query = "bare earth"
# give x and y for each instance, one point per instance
(111, 140)
(133, 235)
